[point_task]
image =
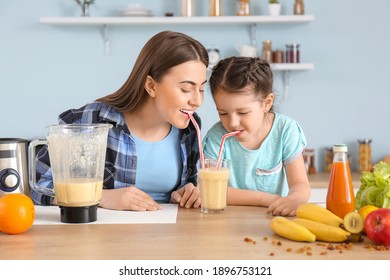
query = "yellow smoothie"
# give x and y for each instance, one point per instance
(213, 188)
(78, 192)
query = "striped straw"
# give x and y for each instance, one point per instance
(219, 161)
(199, 140)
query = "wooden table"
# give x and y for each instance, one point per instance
(195, 236)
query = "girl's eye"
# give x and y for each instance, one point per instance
(184, 90)
(222, 114)
(243, 113)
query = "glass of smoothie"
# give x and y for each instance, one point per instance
(213, 183)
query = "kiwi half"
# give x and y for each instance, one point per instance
(353, 222)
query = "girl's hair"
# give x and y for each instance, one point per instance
(162, 52)
(239, 74)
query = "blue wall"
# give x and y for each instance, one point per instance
(45, 69)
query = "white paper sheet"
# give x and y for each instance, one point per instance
(50, 215)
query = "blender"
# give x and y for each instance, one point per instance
(77, 155)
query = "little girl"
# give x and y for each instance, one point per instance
(267, 167)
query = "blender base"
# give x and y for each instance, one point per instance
(81, 214)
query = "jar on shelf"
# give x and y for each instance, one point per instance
(187, 8)
(215, 8)
(277, 56)
(328, 158)
(266, 52)
(364, 155)
(299, 7)
(292, 53)
(243, 8)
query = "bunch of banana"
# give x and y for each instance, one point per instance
(291, 230)
(319, 214)
(318, 221)
(324, 232)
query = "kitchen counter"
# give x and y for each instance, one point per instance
(321, 179)
(319, 185)
(241, 233)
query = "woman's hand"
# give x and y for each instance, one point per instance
(187, 196)
(129, 198)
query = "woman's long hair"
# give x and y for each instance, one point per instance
(162, 52)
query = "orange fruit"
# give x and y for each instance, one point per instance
(17, 213)
(365, 210)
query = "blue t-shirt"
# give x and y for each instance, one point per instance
(159, 166)
(262, 169)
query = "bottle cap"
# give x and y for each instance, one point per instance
(340, 148)
(364, 141)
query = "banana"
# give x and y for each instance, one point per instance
(319, 214)
(324, 232)
(290, 230)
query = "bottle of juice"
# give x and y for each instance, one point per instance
(340, 198)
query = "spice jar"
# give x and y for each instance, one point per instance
(277, 56)
(328, 158)
(266, 52)
(215, 8)
(299, 7)
(364, 155)
(243, 8)
(292, 53)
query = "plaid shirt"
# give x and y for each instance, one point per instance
(121, 154)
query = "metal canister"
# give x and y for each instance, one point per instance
(187, 8)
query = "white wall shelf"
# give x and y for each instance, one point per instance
(287, 68)
(252, 21)
(174, 20)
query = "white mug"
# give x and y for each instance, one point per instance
(247, 50)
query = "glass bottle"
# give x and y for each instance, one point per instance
(215, 8)
(299, 7)
(187, 8)
(243, 8)
(340, 198)
(266, 52)
(364, 155)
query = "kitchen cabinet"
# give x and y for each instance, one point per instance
(251, 21)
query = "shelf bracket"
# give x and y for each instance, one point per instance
(286, 78)
(107, 46)
(253, 34)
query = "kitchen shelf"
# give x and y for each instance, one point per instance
(287, 68)
(117, 21)
(252, 21)
(174, 20)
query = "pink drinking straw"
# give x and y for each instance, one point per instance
(199, 140)
(219, 161)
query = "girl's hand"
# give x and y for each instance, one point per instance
(129, 198)
(283, 206)
(187, 196)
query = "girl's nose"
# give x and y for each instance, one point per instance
(234, 121)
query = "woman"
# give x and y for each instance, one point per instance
(152, 148)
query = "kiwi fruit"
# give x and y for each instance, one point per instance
(353, 222)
